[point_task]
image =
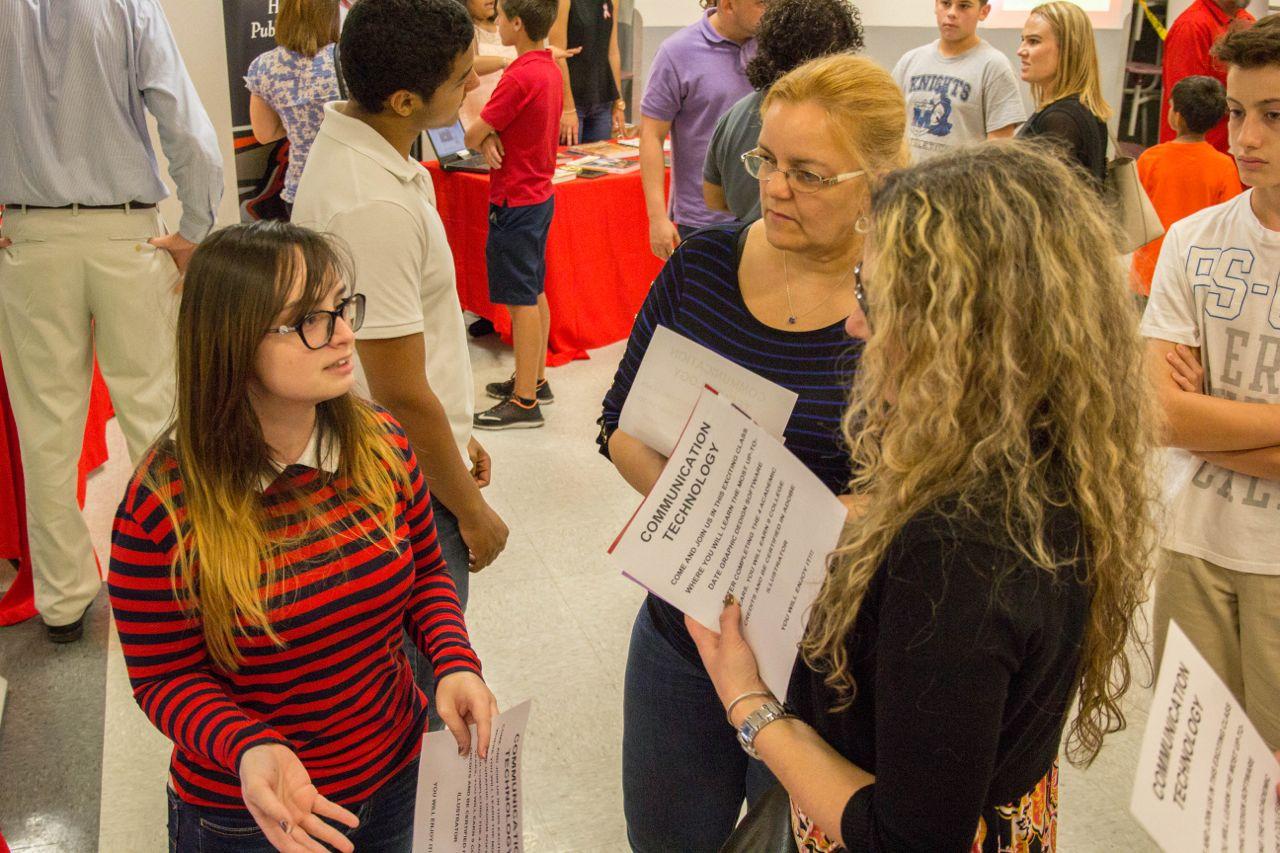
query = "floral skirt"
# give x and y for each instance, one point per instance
(1028, 825)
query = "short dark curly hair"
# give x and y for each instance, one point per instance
(1249, 46)
(389, 45)
(792, 32)
(1200, 100)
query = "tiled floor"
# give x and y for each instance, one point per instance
(82, 769)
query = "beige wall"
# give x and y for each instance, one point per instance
(197, 27)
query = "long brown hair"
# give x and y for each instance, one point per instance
(1003, 377)
(208, 465)
(305, 26)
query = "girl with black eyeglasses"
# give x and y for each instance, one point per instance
(269, 554)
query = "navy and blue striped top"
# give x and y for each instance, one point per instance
(697, 295)
(339, 692)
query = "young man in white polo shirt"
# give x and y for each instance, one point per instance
(1213, 329)
(360, 185)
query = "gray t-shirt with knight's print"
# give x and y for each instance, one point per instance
(954, 100)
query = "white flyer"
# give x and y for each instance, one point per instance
(672, 375)
(467, 804)
(1206, 781)
(735, 511)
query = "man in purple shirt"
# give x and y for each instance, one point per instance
(697, 75)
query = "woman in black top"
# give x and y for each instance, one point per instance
(1060, 62)
(593, 105)
(1001, 430)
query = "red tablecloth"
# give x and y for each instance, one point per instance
(599, 266)
(17, 604)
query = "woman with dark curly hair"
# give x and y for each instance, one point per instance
(791, 33)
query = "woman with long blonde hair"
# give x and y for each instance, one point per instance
(1000, 429)
(269, 554)
(1060, 62)
(772, 296)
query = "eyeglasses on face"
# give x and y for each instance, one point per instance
(316, 328)
(762, 167)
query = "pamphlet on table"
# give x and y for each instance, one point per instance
(670, 379)
(605, 148)
(612, 165)
(1206, 779)
(634, 142)
(734, 511)
(467, 804)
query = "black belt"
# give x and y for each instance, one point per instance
(128, 205)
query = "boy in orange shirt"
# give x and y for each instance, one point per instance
(1187, 174)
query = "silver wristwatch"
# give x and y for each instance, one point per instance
(757, 720)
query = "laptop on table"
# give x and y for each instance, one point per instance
(450, 148)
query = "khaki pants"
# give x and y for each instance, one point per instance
(1231, 618)
(65, 269)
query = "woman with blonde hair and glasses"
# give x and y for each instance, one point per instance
(1001, 429)
(773, 297)
(267, 558)
(1060, 62)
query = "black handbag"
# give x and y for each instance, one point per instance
(766, 827)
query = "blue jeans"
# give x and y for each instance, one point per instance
(386, 823)
(456, 558)
(595, 122)
(683, 773)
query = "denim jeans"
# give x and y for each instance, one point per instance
(683, 773)
(456, 559)
(595, 122)
(386, 823)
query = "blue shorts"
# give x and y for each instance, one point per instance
(516, 252)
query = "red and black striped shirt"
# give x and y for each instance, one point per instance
(339, 692)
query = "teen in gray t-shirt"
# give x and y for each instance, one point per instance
(955, 100)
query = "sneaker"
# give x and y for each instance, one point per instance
(504, 390)
(510, 414)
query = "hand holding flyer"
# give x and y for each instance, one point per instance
(1206, 780)
(673, 374)
(468, 804)
(735, 511)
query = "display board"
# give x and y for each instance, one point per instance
(250, 30)
(1103, 14)
(1005, 14)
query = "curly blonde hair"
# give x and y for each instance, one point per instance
(1003, 376)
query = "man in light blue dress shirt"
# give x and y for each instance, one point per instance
(86, 262)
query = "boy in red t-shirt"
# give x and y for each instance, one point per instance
(517, 131)
(1187, 174)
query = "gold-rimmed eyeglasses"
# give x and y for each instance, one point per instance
(762, 167)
